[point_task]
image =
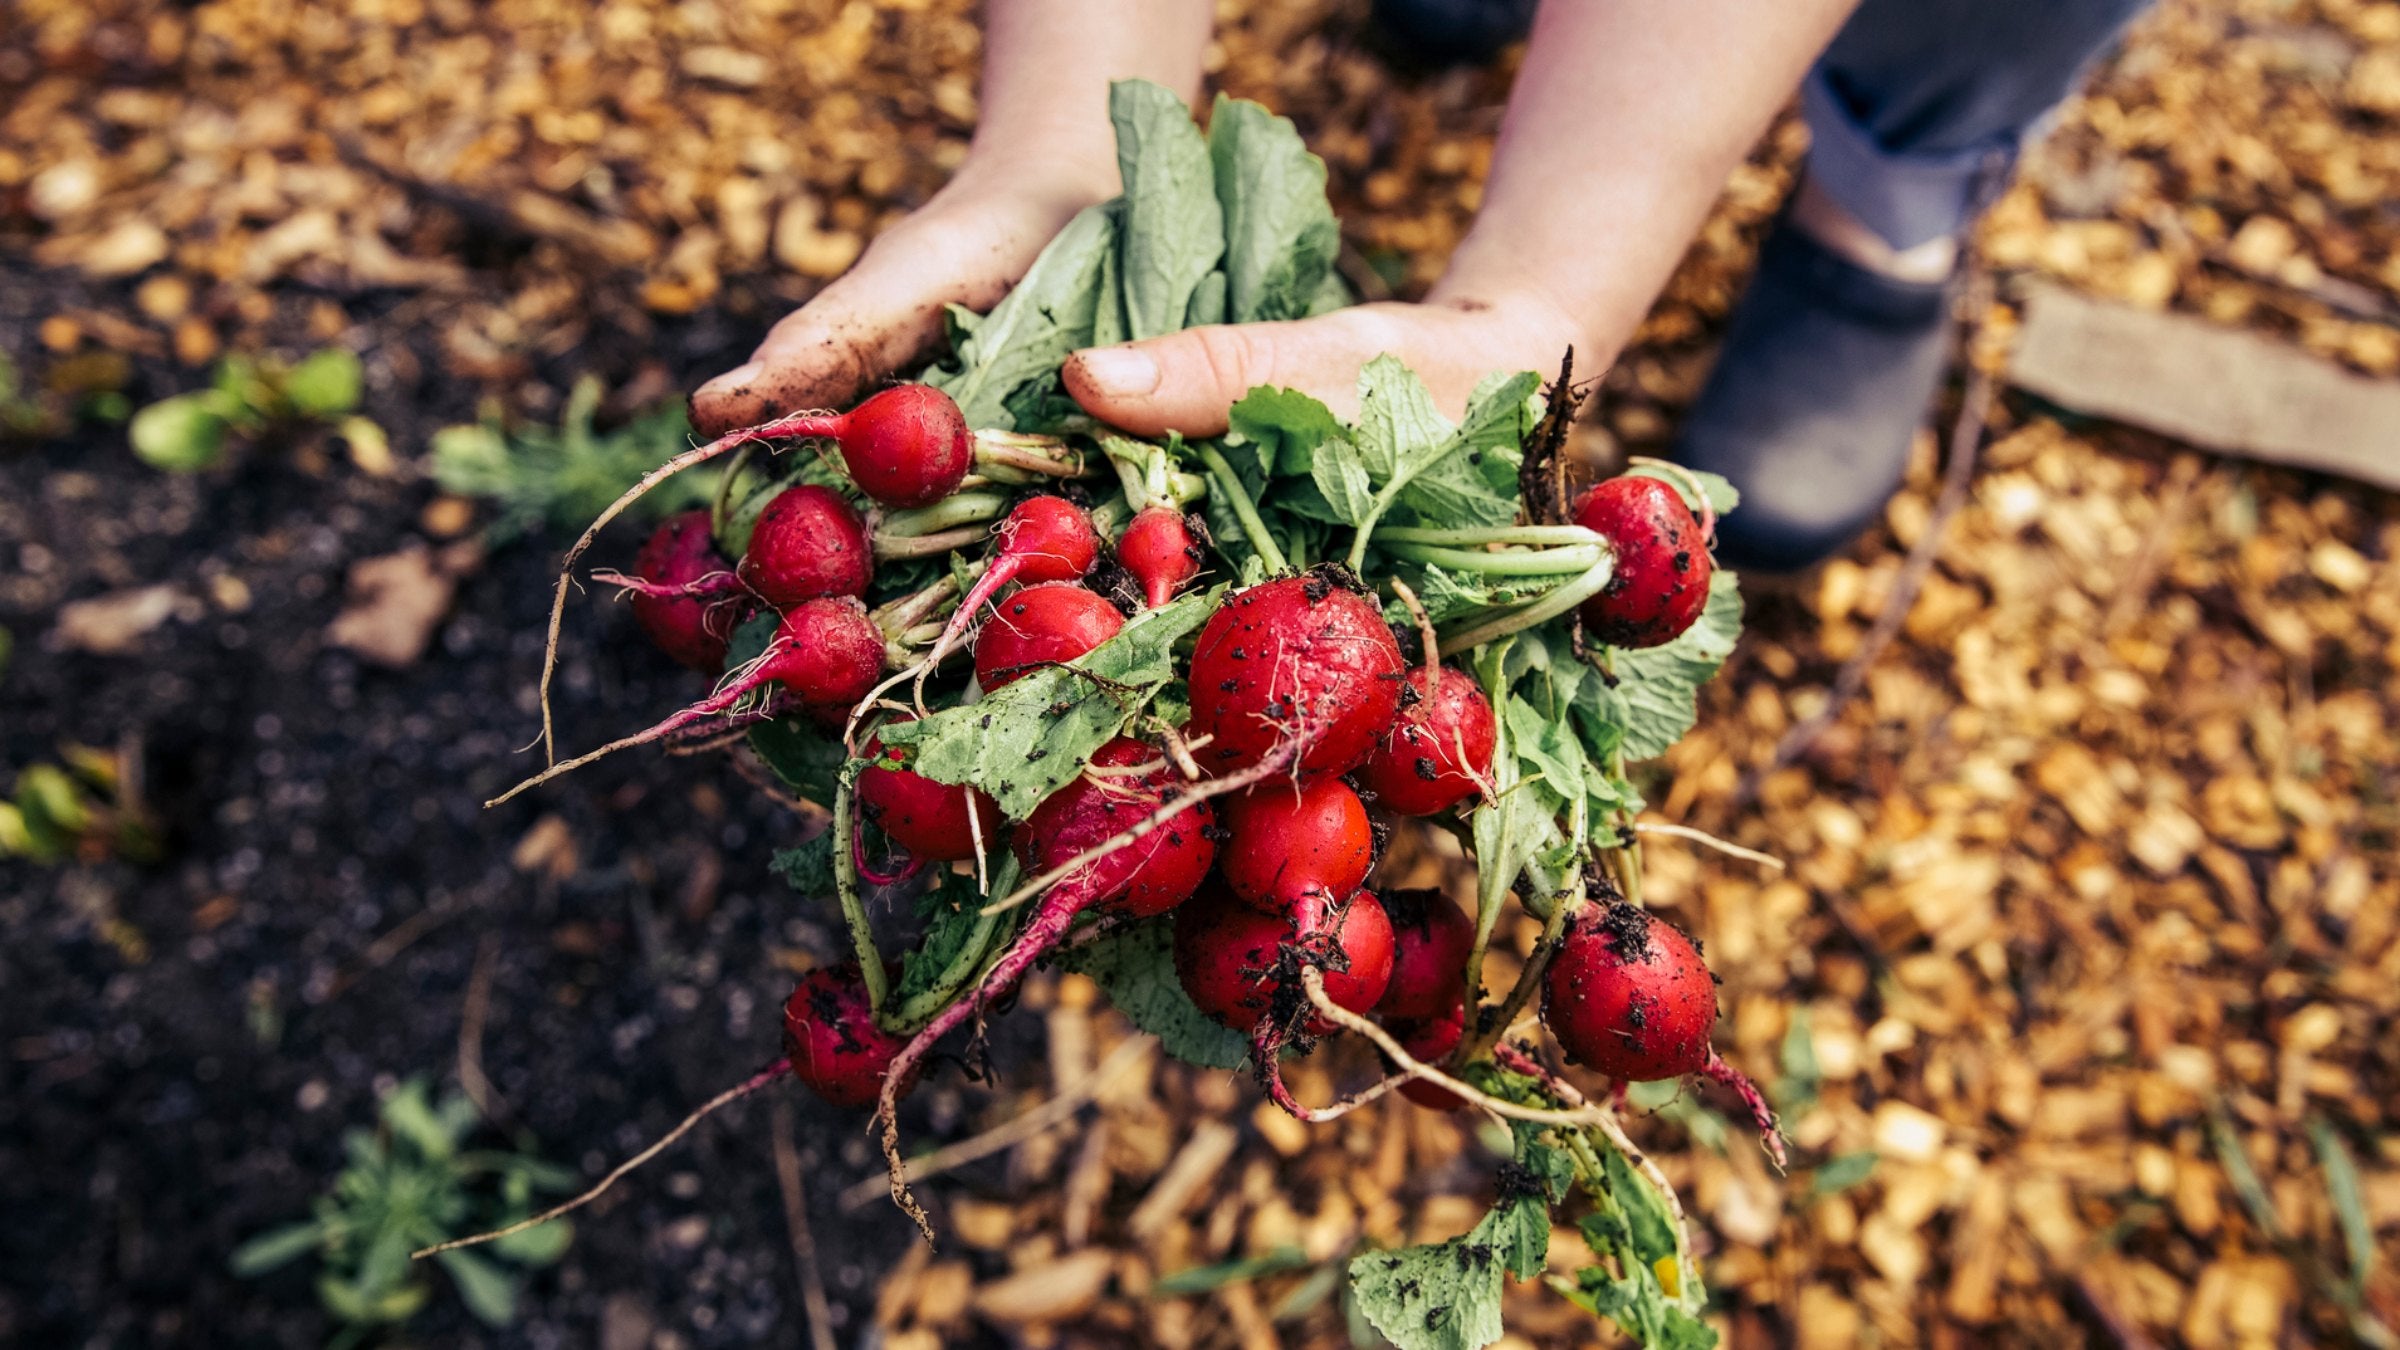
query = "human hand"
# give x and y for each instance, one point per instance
(966, 246)
(1187, 381)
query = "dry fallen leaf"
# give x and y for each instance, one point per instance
(110, 625)
(396, 601)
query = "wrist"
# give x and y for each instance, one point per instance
(1533, 312)
(1063, 165)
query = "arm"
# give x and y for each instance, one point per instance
(1625, 121)
(1624, 124)
(1042, 151)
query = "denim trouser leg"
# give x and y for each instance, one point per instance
(1917, 110)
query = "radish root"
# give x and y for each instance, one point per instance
(805, 423)
(1770, 1134)
(738, 684)
(723, 1099)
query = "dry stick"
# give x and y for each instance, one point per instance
(726, 1098)
(1707, 840)
(1009, 1133)
(471, 1018)
(1966, 438)
(789, 424)
(804, 1242)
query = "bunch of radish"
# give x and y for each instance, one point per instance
(1310, 731)
(1096, 687)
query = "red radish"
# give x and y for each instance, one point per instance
(1241, 966)
(1429, 1040)
(1041, 626)
(1286, 840)
(1431, 937)
(1150, 874)
(1303, 657)
(1439, 751)
(808, 543)
(933, 822)
(874, 431)
(830, 1036)
(1660, 584)
(1628, 995)
(907, 446)
(1041, 539)
(1158, 549)
(691, 629)
(827, 653)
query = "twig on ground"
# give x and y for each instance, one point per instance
(471, 1018)
(804, 1242)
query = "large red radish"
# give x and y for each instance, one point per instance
(1305, 658)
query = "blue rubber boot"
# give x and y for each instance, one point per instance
(1826, 372)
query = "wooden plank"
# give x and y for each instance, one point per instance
(2214, 387)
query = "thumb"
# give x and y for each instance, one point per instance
(1187, 381)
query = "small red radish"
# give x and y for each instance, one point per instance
(1240, 965)
(1628, 995)
(1431, 937)
(907, 446)
(1158, 549)
(826, 652)
(1660, 584)
(1041, 539)
(808, 543)
(1304, 657)
(933, 822)
(801, 569)
(1429, 1040)
(1285, 840)
(1042, 626)
(691, 629)
(1438, 753)
(830, 1036)
(1149, 874)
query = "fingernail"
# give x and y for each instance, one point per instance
(735, 378)
(1121, 372)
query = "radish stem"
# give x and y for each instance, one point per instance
(1516, 562)
(1471, 536)
(1521, 617)
(845, 885)
(1244, 510)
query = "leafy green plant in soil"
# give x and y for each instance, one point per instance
(410, 1182)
